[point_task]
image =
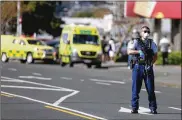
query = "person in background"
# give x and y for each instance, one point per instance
(135, 35)
(111, 50)
(164, 45)
(105, 53)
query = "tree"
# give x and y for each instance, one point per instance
(35, 15)
(95, 13)
(7, 14)
(41, 17)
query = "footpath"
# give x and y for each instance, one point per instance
(169, 75)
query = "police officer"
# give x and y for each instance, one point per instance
(145, 52)
(135, 36)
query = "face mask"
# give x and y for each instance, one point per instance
(145, 35)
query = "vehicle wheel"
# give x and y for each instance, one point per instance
(98, 66)
(4, 57)
(30, 58)
(23, 61)
(71, 64)
(89, 65)
(62, 63)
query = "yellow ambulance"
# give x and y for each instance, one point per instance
(25, 49)
(80, 44)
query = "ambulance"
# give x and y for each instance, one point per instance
(80, 44)
(25, 49)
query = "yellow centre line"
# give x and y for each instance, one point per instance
(69, 112)
(6, 95)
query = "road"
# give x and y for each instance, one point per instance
(50, 92)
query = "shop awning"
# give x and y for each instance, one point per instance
(154, 9)
(129, 6)
(167, 10)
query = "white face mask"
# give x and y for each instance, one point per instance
(145, 35)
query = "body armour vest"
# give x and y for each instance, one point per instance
(142, 45)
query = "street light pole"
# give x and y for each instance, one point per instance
(19, 20)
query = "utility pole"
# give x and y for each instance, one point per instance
(19, 20)
(117, 17)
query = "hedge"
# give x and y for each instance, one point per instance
(174, 58)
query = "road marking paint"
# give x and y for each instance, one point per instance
(7, 95)
(41, 84)
(11, 80)
(175, 108)
(39, 88)
(12, 69)
(154, 91)
(66, 78)
(109, 81)
(141, 110)
(122, 109)
(38, 74)
(34, 77)
(6, 78)
(82, 80)
(101, 83)
(49, 104)
(65, 97)
(33, 88)
(70, 112)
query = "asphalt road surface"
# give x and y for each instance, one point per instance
(50, 92)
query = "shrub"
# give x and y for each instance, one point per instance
(174, 58)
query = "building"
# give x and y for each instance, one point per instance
(161, 14)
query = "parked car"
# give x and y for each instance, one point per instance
(25, 49)
(55, 44)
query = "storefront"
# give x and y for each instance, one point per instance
(157, 11)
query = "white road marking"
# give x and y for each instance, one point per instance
(6, 78)
(65, 97)
(66, 78)
(175, 108)
(11, 80)
(154, 91)
(38, 74)
(12, 69)
(108, 81)
(101, 83)
(74, 92)
(41, 84)
(126, 110)
(33, 88)
(141, 110)
(46, 103)
(82, 80)
(35, 77)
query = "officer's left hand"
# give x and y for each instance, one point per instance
(142, 55)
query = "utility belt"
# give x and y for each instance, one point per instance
(140, 62)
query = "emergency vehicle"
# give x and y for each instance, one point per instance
(25, 49)
(80, 44)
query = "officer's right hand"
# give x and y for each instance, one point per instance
(141, 54)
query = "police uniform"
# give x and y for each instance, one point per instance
(138, 75)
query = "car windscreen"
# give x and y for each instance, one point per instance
(85, 39)
(52, 43)
(36, 42)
